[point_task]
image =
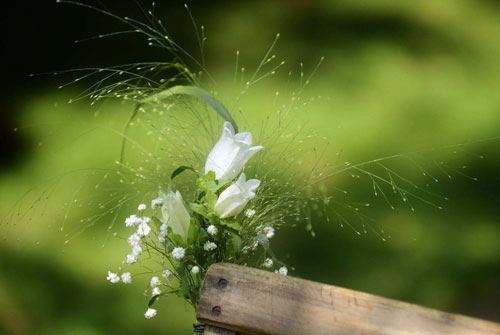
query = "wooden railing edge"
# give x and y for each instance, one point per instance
(242, 300)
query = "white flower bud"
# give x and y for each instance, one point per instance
(231, 153)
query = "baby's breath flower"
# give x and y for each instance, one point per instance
(134, 240)
(155, 203)
(178, 253)
(136, 251)
(282, 271)
(113, 277)
(156, 291)
(146, 219)
(269, 231)
(212, 230)
(131, 259)
(249, 213)
(132, 221)
(126, 278)
(151, 312)
(142, 207)
(155, 281)
(167, 274)
(209, 246)
(268, 263)
(143, 229)
(195, 270)
(161, 236)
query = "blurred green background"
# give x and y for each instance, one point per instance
(398, 76)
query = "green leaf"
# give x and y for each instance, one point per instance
(195, 92)
(232, 223)
(176, 238)
(193, 232)
(210, 199)
(236, 240)
(198, 208)
(181, 169)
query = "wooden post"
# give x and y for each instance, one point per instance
(251, 301)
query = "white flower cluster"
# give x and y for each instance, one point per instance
(168, 229)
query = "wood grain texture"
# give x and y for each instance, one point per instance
(253, 301)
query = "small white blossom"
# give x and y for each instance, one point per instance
(134, 240)
(156, 291)
(268, 263)
(132, 221)
(162, 236)
(212, 230)
(282, 271)
(164, 228)
(136, 251)
(167, 274)
(155, 203)
(250, 212)
(269, 231)
(142, 207)
(131, 259)
(155, 281)
(113, 277)
(151, 312)
(209, 246)
(126, 278)
(143, 229)
(146, 219)
(195, 270)
(178, 253)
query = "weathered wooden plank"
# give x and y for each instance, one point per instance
(253, 301)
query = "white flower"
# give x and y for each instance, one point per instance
(195, 270)
(268, 263)
(282, 271)
(136, 251)
(126, 278)
(209, 246)
(134, 240)
(155, 203)
(230, 154)
(142, 207)
(167, 274)
(146, 219)
(132, 221)
(178, 253)
(155, 281)
(249, 213)
(151, 312)
(212, 230)
(113, 277)
(234, 198)
(161, 236)
(175, 214)
(143, 229)
(131, 259)
(156, 291)
(269, 231)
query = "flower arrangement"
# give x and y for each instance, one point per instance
(186, 236)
